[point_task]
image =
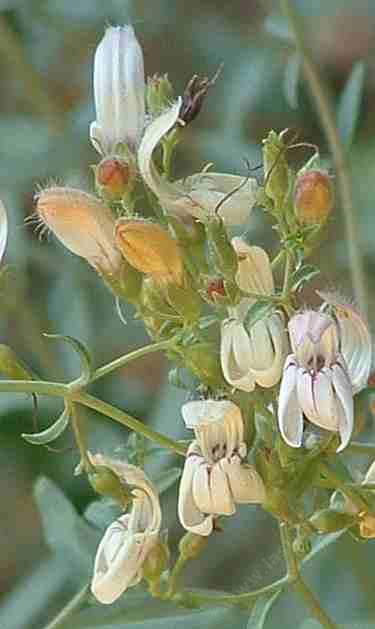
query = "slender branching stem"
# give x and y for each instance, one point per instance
(328, 121)
(71, 607)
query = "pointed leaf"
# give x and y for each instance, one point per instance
(303, 275)
(291, 80)
(349, 106)
(84, 356)
(51, 433)
(3, 230)
(260, 611)
(259, 310)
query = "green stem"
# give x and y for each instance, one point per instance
(80, 437)
(124, 360)
(54, 389)
(327, 118)
(287, 269)
(73, 605)
(298, 583)
(195, 598)
(123, 418)
(314, 605)
(175, 574)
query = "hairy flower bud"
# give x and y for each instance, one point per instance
(83, 224)
(150, 249)
(159, 94)
(119, 88)
(313, 197)
(115, 177)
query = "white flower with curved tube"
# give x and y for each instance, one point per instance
(215, 477)
(119, 89)
(199, 194)
(355, 339)
(129, 539)
(315, 381)
(256, 356)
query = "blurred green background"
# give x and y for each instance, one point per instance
(46, 105)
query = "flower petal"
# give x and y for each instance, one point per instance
(343, 389)
(271, 376)
(245, 483)
(254, 273)
(289, 412)
(234, 355)
(190, 516)
(221, 495)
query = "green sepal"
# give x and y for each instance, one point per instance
(330, 520)
(83, 354)
(258, 311)
(51, 433)
(223, 256)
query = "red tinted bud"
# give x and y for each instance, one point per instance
(115, 176)
(216, 287)
(314, 197)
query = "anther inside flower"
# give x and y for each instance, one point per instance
(316, 380)
(215, 476)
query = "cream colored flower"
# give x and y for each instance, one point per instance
(316, 381)
(119, 89)
(199, 194)
(129, 539)
(355, 338)
(83, 224)
(256, 356)
(215, 477)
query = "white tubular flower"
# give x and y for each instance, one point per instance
(355, 339)
(215, 477)
(199, 194)
(3, 230)
(83, 224)
(129, 539)
(119, 89)
(257, 356)
(315, 381)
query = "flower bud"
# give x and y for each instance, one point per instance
(222, 253)
(83, 224)
(216, 288)
(115, 177)
(159, 94)
(313, 197)
(150, 249)
(276, 171)
(119, 88)
(191, 545)
(106, 483)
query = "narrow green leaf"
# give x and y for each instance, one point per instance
(303, 275)
(349, 105)
(259, 310)
(260, 611)
(51, 433)
(83, 353)
(291, 80)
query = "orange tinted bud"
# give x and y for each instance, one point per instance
(82, 223)
(115, 176)
(150, 249)
(314, 197)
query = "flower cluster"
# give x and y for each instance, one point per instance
(262, 369)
